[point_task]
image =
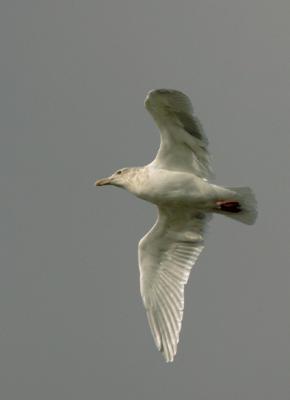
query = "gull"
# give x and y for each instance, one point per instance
(177, 181)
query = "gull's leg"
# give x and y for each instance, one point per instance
(231, 206)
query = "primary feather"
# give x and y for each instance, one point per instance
(183, 145)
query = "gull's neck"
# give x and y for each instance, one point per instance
(136, 179)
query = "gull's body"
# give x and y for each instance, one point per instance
(177, 182)
(174, 188)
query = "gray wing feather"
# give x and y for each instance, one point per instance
(184, 146)
(166, 256)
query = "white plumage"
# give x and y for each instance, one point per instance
(177, 182)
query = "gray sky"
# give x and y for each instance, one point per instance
(73, 78)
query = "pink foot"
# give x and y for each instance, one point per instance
(229, 206)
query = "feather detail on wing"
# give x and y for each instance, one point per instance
(183, 146)
(166, 255)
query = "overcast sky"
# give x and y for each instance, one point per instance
(73, 76)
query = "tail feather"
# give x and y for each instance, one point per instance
(248, 205)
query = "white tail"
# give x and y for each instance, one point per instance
(248, 203)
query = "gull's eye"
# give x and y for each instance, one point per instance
(119, 172)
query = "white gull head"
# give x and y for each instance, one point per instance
(126, 178)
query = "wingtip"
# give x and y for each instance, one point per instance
(169, 358)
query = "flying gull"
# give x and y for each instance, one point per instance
(177, 181)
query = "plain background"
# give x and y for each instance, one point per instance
(74, 75)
